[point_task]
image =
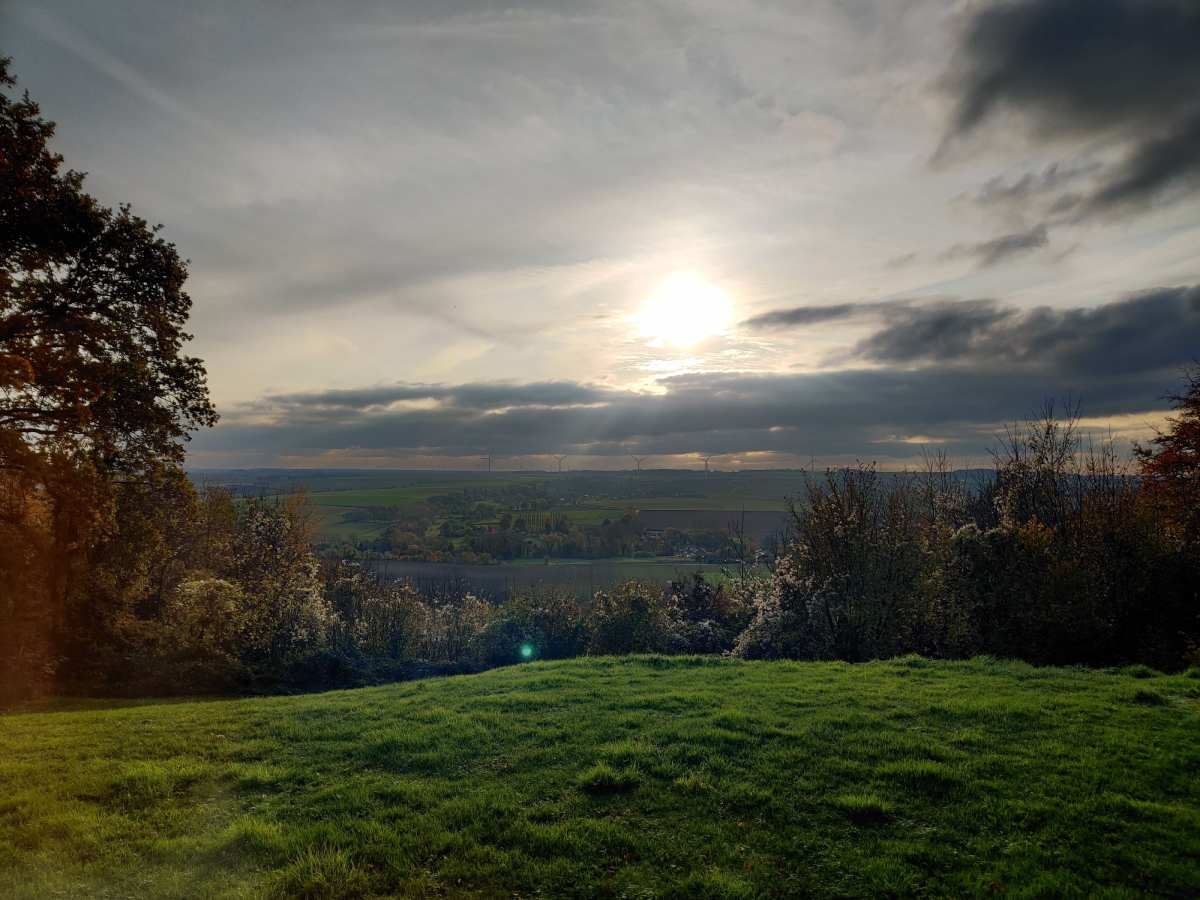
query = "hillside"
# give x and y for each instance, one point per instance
(621, 777)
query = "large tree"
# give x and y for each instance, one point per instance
(92, 312)
(97, 397)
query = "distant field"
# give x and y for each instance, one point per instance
(332, 527)
(636, 777)
(728, 502)
(585, 498)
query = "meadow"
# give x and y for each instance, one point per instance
(621, 777)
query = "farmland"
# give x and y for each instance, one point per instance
(605, 777)
(356, 509)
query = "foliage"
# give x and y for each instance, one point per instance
(1170, 465)
(550, 623)
(841, 586)
(92, 312)
(707, 617)
(631, 618)
(1061, 558)
(96, 399)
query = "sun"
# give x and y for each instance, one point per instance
(684, 310)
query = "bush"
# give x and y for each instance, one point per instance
(203, 630)
(551, 620)
(383, 621)
(632, 618)
(841, 587)
(706, 618)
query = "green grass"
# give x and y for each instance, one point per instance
(635, 777)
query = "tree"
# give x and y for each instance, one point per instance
(92, 311)
(96, 400)
(1170, 465)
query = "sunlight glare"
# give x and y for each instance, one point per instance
(684, 310)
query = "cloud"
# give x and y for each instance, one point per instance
(864, 412)
(477, 396)
(997, 250)
(954, 370)
(1124, 71)
(999, 191)
(809, 315)
(1153, 167)
(1152, 331)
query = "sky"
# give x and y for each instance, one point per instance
(774, 233)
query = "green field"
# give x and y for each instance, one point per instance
(585, 498)
(635, 777)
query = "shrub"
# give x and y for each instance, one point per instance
(385, 621)
(842, 585)
(706, 618)
(203, 628)
(550, 619)
(632, 618)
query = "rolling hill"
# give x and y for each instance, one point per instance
(642, 776)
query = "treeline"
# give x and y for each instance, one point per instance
(1066, 556)
(1063, 557)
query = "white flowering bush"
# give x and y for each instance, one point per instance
(204, 625)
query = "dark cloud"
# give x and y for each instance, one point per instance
(1000, 249)
(1153, 331)
(1156, 165)
(939, 332)
(1127, 70)
(1000, 191)
(899, 262)
(809, 315)
(952, 369)
(860, 412)
(475, 396)
(1149, 331)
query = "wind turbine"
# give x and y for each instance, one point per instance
(491, 459)
(560, 460)
(706, 459)
(637, 461)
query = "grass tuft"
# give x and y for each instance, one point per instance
(1140, 671)
(322, 874)
(1147, 697)
(864, 809)
(922, 776)
(604, 779)
(693, 783)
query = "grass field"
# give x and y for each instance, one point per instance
(635, 777)
(585, 498)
